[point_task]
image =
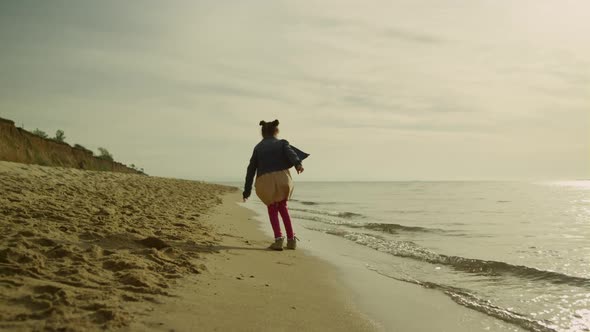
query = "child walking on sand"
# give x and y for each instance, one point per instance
(271, 161)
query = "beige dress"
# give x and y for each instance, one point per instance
(274, 187)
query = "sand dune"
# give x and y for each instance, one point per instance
(80, 247)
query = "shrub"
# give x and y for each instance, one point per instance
(137, 169)
(60, 136)
(40, 133)
(105, 154)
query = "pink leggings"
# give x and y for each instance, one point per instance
(273, 213)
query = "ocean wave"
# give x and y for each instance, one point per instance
(307, 202)
(345, 215)
(408, 211)
(341, 219)
(409, 249)
(471, 301)
(396, 228)
(322, 219)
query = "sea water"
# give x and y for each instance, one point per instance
(516, 252)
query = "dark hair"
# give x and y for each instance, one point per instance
(269, 128)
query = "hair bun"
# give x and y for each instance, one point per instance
(275, 123)
(262, 123)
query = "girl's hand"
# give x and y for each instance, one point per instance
(300, 169)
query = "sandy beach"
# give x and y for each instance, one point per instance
(86, 250)
(432, 160)
(249, 288)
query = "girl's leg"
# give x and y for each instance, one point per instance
(273, 214)
(282, 207)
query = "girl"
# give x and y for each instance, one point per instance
(271, 161)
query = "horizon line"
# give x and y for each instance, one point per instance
(416, 180)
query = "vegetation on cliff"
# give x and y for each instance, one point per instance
(36, 147)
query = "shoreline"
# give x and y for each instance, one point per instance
(249, 288)
(391, 305)
(110, 251)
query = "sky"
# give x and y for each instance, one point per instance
(373, 90)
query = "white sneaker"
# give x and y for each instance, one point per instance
(292, 243)
(278, 244)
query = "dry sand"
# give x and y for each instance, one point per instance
(79, 248)
(84, 251)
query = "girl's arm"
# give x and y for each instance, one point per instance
(250, 175)
(292, 156)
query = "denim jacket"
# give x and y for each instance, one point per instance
(271, 155)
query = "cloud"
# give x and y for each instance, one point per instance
(370, 29)
(167, 83)
(411, 36)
